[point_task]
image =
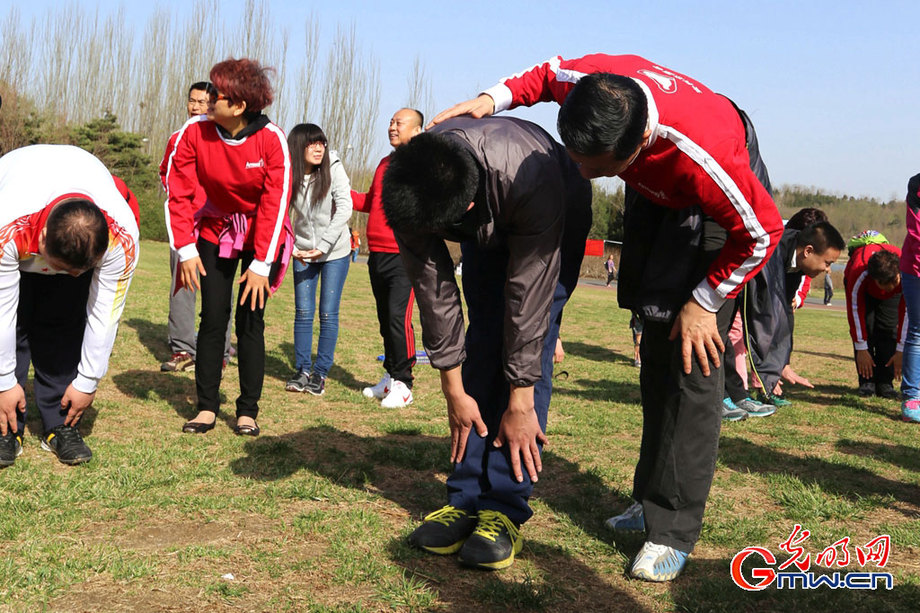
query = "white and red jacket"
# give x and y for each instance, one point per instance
(250, 175)
(379, 234)
(200, 196)
(32, 180)
(859, 284)
(696, 155)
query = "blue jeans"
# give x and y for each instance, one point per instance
(306, 277)
(910, 368)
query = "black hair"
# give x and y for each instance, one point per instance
(806, 217)
(884, 267)
(203, 86)
(604, 113)
(299, 138)
(77, 233)
(429, 183)
(821, 236)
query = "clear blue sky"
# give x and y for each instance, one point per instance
(832, 87)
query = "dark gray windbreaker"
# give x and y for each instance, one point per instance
(768, 314)
(529, 179)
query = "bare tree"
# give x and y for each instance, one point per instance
(351, 103)
(303, 94)
(420, 96)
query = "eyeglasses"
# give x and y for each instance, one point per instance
(215, 98)
(319, 144)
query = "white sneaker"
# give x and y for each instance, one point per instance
(400, 395)
(380, 390)
(658, 562)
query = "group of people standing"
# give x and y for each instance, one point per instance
(242, 195)
(700, 227)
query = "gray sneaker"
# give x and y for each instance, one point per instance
(630, 520)
(730, 412)
(754, 408)
(298, 383)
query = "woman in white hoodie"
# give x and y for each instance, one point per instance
(320, 209)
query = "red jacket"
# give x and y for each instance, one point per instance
(859, 284)
(379, 234)
(696, 155)
(250, 175)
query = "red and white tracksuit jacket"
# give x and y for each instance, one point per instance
(696, 155)
(251, 176)
(859, 284)
(379, 234)
(32, 180)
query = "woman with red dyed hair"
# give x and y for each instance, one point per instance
(241, 161)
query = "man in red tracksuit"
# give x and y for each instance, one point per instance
(875, 310)
(392, 287)
(700, 222)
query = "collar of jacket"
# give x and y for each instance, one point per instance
(251, 128)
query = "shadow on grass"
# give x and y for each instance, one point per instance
(845, 396)
(836, 357)
(838, 479)
(152, 336)
(408, 469)
(906, 457)
(558, 583)
(599, 389)
(595, 353)
(177, 389)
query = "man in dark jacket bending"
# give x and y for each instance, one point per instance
(514, 200)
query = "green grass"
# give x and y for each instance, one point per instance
(313, 514)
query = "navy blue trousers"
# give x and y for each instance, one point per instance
(484, 479)
(50, 321)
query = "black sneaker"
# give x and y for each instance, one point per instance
(298, 382)
(316, 385)
(493, 543)
(866, 389)
(443, 531)
(10, 448)
(67, 444)
(887, 390)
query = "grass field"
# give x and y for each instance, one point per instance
(313, 514)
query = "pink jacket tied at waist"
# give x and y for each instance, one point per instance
(233, 237)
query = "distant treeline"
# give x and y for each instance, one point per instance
(850, 215)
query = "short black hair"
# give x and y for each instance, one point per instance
(77, 233)
(429, 183)
(806, 217)
(884, 267)
(604, 113)
(203, 86)
(821, 236)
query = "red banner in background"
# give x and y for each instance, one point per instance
(594, 247)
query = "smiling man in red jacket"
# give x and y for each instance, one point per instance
(392, 287)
